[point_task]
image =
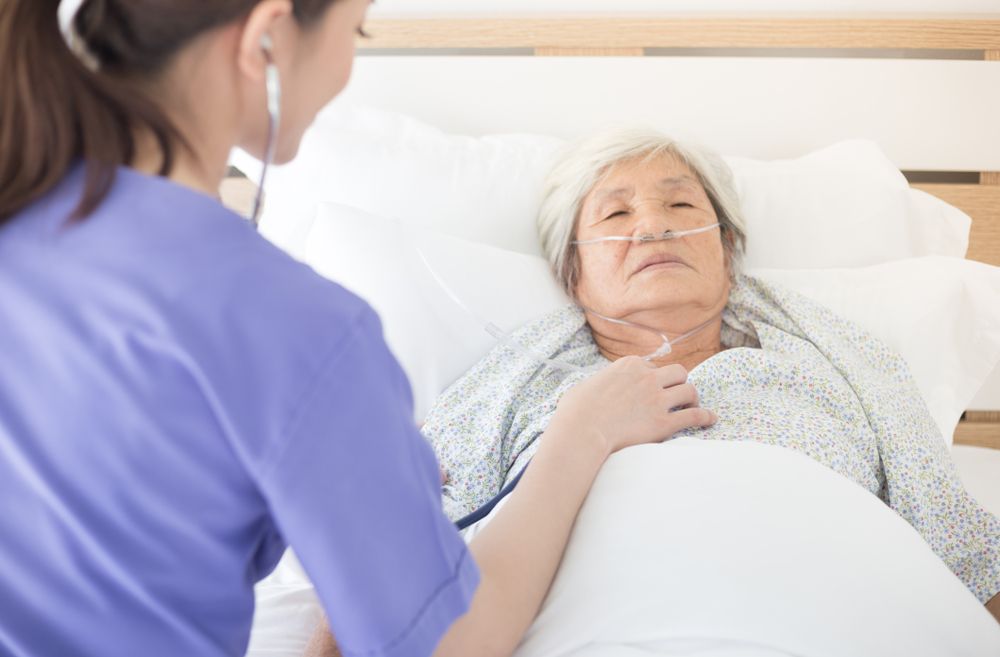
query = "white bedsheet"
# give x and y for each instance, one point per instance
(714, 549)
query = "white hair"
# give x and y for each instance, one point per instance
(582, 166)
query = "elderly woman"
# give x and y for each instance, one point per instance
(646, 236)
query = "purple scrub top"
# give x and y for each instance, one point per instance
(179, 400)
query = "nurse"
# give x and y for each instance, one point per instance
(179, 400)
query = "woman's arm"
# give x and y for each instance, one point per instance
(519, 551)
(993, 606)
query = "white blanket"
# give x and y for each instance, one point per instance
(719, 549)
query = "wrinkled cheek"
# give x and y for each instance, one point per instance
(598, 276)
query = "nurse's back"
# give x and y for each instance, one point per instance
(147, 364)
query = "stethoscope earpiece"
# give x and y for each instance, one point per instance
(266, 44)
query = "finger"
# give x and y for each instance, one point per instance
(671, 375)
(691, 417)
(680, 396)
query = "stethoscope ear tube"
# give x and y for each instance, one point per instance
(272, 82)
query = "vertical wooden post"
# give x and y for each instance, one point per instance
(990, 177)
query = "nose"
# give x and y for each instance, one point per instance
(651, 217)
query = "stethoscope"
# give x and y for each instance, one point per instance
(272, 83)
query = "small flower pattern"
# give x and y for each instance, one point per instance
(792, 374)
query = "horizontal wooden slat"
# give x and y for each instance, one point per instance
(982, 203)
(982, 416)
(953, 33)
(590, 52)
(978, 434)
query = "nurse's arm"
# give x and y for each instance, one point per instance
(993, 606)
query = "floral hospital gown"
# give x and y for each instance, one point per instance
(792, 374)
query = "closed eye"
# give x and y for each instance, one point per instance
(682, 205)
(616, 214)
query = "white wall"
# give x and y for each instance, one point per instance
(411, 7)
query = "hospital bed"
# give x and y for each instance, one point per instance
(924, 88)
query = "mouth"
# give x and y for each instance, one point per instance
(659, 261)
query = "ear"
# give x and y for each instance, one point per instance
(269, 20)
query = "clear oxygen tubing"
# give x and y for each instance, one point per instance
(649, 237)
(667, 345)
(272, 81)
(505, 338)
(501, 336)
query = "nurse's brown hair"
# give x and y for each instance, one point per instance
(55, 110)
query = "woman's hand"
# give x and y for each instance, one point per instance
(632, 402)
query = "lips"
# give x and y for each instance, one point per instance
(658, 259)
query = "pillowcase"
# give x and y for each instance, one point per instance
(939, 313)
(843, 206)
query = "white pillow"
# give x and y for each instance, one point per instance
(843, 206)
(941, 314)
(434, 339)
(485, 189)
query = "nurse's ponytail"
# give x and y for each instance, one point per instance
(58, 107)
(55, 110)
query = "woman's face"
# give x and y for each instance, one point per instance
(621, 279)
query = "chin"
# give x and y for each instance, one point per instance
(669, 297)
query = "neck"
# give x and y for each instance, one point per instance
(202, 170)
(199, 100)
(617, 341)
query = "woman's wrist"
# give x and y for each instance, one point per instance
(581, 439)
